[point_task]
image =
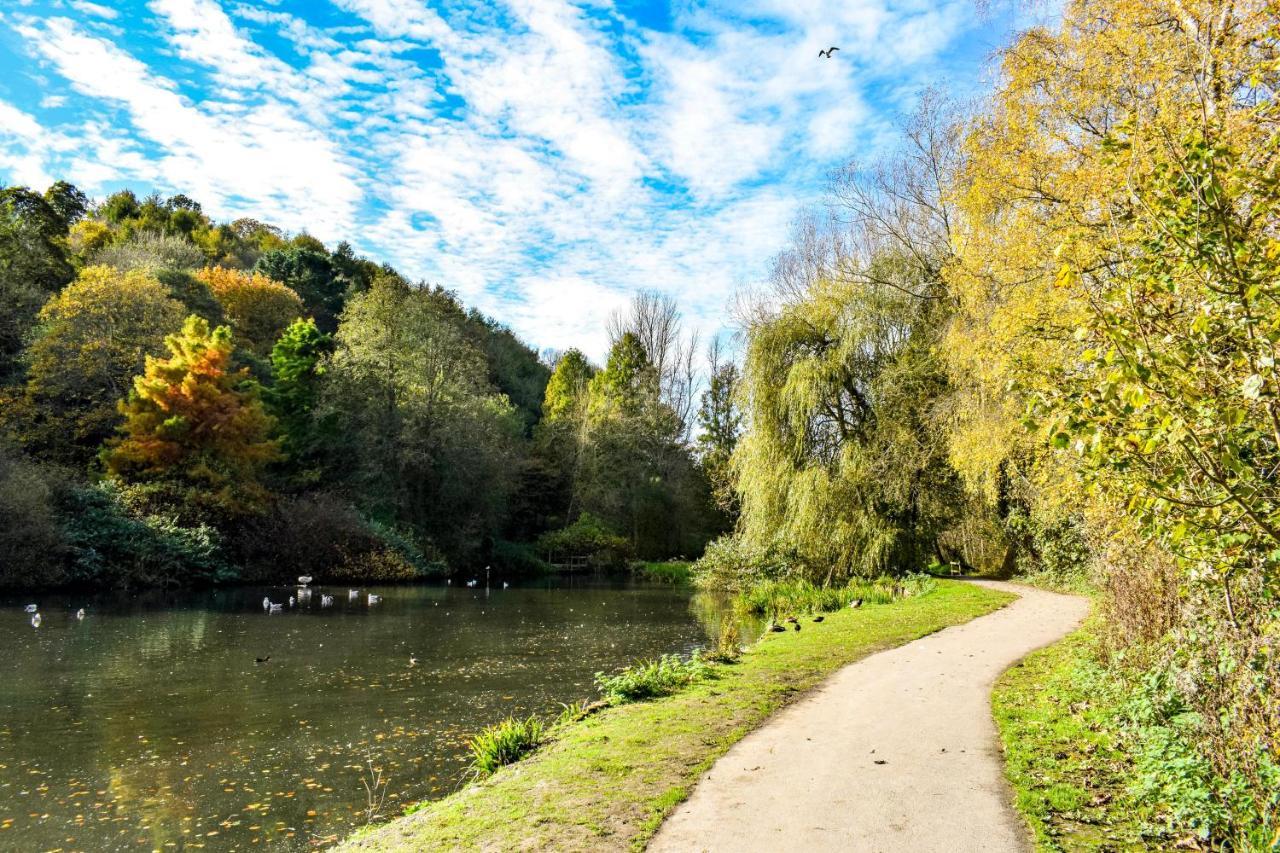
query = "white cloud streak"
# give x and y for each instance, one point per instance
(543, 157)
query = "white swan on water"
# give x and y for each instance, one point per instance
(31, 608)
(80, 614)
(326, 600)
(266, 603)
(374, 599)
(35, 621)
(353, 594)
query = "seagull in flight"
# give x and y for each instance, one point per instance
(828, 52)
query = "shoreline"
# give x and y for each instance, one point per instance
(608, 781)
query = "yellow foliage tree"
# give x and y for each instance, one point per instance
(94, 338)
(258, 308)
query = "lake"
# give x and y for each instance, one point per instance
(149, 724)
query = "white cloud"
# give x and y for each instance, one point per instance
(95, 10)
(545, 158)
(260, 156)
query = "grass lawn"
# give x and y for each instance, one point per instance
(608, 781)
(1057, 716)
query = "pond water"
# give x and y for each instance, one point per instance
(150, 725)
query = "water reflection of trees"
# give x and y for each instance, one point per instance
(716, 610)
(162, 716)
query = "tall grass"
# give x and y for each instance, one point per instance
(504, 743)
(650, 678)
(783, 597)
(674, 572)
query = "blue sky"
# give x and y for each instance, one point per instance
(544, 158)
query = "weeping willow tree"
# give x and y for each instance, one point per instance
(842, 468)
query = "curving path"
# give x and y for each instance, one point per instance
(896, 753)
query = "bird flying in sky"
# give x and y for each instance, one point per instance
(828, 52)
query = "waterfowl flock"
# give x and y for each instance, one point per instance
(302, 595)
(36, 617)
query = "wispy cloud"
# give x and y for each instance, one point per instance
(543, 157)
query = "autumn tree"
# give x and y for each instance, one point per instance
(258, 308)
(1115, 288)
(195, 431)
(93, 338)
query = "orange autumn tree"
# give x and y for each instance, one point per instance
(195, 429)
(259, 308)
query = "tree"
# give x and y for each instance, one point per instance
(195, 428)
(1114, 282)
(151, 251)
(93, 338)
(654, 320)
(514, 367)
(720, 423)
(566, 391)
(843, 467)
(298, 368)
(430, 440)
(310, 274)
(33, 266)
(68, 202)
(634, 469)
(258, 308)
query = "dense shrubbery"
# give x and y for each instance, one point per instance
(587, 537)
(321, 534)
(518, 558)
(110, 547)
(674, 572)
(31, 541)
(731, 564)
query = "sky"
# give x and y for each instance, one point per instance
(543, 158)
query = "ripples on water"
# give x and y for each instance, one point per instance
(149, 724)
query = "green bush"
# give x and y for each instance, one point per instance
(782, 597)
(588, 537)
(650, 678)
(110, 547)
(518, 558)
(30, 541)
(674, 572)
(729, 564)
(504, 743)
(1173, 771)
(1051, 551)
(323, 535)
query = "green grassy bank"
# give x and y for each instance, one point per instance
(608, 781)
(1059, 719)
